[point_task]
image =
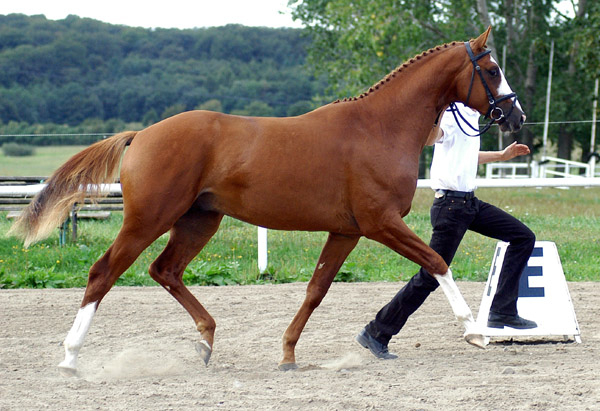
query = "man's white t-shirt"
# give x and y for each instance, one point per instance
(456, 155)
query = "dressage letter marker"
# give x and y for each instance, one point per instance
(543, 295)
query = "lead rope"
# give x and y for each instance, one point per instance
(457, 114)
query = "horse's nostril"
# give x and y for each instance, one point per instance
(523, 117)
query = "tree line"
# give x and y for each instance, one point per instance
(79, 75)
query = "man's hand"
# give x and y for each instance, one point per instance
(514, 150)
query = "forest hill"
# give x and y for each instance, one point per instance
(95, 77)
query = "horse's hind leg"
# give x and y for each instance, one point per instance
(122, 253)
(187, 237)
(332, 257)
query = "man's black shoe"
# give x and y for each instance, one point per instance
(378, 349)
(512, 321)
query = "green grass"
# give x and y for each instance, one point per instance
(570, 218)
(42, 163)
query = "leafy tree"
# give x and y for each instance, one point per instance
(211, 105)
(255, 108)
(355, 43)
(587, 35)
(150, 117)
(300, 107)
(172, 110)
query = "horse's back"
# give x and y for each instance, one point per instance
(285, 173)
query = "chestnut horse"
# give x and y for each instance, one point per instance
(348, 168)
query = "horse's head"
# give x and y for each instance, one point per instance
(482, 85)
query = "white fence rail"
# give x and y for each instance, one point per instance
(558, 167)
(529, 182)
(547, 168)
(31, 190)
(509, 170)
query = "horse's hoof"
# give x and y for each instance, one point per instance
(288, 366)
(477, 340)
(204, 350)
(67, 371)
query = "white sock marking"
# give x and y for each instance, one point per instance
(461, 310)
(457, 302)
(74, 340)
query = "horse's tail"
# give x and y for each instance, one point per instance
(81, 176)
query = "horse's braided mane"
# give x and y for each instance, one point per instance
(397, 71)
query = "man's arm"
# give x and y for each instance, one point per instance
(510, 152)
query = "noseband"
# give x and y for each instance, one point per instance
(494, 112)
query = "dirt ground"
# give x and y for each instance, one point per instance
(140, 354)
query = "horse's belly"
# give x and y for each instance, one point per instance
(288, 213)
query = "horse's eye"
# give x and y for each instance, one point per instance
(493, 72)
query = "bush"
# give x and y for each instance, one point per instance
(17, 150)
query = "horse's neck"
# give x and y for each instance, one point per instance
(408, 100)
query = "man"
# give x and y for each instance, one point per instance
(455, 210)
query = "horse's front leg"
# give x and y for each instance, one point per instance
(400, 238)
(461, 310)
(332, 257)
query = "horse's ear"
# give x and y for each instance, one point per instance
(479, 42)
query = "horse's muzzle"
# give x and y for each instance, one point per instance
(514, 119)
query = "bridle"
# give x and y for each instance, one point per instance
(494, 113)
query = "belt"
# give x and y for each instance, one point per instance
(467, 195)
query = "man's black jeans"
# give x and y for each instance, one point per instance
(450, 219)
